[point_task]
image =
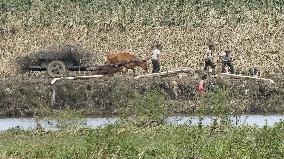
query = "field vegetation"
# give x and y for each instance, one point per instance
(252, 29)
(142, 133)
(162, 141)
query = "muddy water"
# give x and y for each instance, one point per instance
(53, 125)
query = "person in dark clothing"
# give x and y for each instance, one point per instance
(255, 71)
(226, 60)
(156, 58)
(208, 58)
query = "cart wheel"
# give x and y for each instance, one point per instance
(56, 69)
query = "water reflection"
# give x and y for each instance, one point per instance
(251, 120)
(53, 125)
(100, 122)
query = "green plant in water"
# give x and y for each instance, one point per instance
(216, 103)
(145, 109)
(68, 118)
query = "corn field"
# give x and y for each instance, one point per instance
(252, 29)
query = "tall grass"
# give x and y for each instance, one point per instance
(162, 141)
(145, 109)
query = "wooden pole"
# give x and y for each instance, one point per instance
(54, 80)
(165, 73)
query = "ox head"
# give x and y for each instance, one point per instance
(144, 65)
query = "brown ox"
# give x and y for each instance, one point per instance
(132, 64)
(109, 69)
(128, 60)
(120, 57)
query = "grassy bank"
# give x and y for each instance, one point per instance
(251, 29)
(163, 141)
(22, 97)
(143, 133)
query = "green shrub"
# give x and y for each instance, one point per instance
(146, 108)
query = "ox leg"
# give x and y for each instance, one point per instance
(134, 73)
(124, 70)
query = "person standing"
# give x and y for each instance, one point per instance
(226, 60)
(208, 58)
(156, 58)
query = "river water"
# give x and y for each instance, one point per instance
(53, 125)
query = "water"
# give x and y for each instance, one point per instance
(53, 125)
(251, 120)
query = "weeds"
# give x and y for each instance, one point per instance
(161, 141)
(216, 103)
(145, 109)
(118, 95)
(144, 134)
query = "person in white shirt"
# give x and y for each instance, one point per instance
(208, 58)
(156, 58)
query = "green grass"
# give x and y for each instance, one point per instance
(137, 136)
(163, 141)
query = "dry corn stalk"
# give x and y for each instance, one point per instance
(255, 36)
